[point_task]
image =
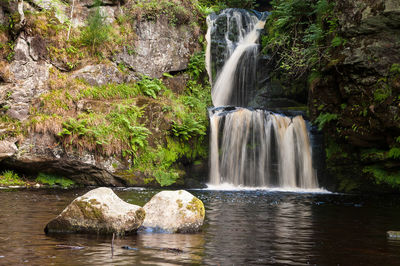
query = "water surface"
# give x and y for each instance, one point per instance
(241, 228)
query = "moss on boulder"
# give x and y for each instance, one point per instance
(174, 212)
(99, 211)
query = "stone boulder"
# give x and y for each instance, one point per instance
(174, 212)
(99, 211)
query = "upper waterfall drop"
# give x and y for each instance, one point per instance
(250, 147)
(233, 79)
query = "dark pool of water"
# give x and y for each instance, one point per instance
(241, 228)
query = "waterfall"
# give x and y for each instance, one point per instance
(254, 148)
(239, 49)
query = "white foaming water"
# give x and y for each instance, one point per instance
(230, 187)
(260, 149)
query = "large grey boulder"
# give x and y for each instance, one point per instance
(99, 211)
(159, 48)
(174, 212)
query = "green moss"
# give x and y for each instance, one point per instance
(141, 214)
(179, 202)
(52, 180)
(10, 178)
(89, 211)
(94, 202)
(197, 206)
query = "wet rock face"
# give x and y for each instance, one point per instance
(41, 153)
(100, 211)
(174, 212)
(159, 48)
(362, 85)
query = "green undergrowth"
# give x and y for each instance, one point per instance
(324, 118)
(144, 124)
(384, 176)
(177, 13)
(300, 36)
(52, 180)
(10, 178)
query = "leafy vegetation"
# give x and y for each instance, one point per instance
(221, 4)
(97, 32)
(383, 176)
(297, 33)
(176, 13)
(324, 118)
(143, 125)
(10, 178)
(394, 153)
(52, 180)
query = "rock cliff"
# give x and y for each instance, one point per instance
(80, 88)
(356, 96)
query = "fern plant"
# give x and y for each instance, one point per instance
(150, 87)
(324, 118)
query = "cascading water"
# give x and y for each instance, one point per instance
(235, 75)
(254, 148)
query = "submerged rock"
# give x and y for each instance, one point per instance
(174, 212)
(99, 211)
(393, 235)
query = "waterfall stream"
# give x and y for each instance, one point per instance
(252, 148)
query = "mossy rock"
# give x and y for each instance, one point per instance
(99, 211)
(174, 212)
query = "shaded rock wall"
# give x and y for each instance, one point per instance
(361, 85)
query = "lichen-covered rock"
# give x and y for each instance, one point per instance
(7, 149)
(159, 48)
(102, 74)
(174, 212)
(28, 78)
(59, 7)
(99, 211)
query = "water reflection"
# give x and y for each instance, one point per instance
(262, 233)
(242, 228)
